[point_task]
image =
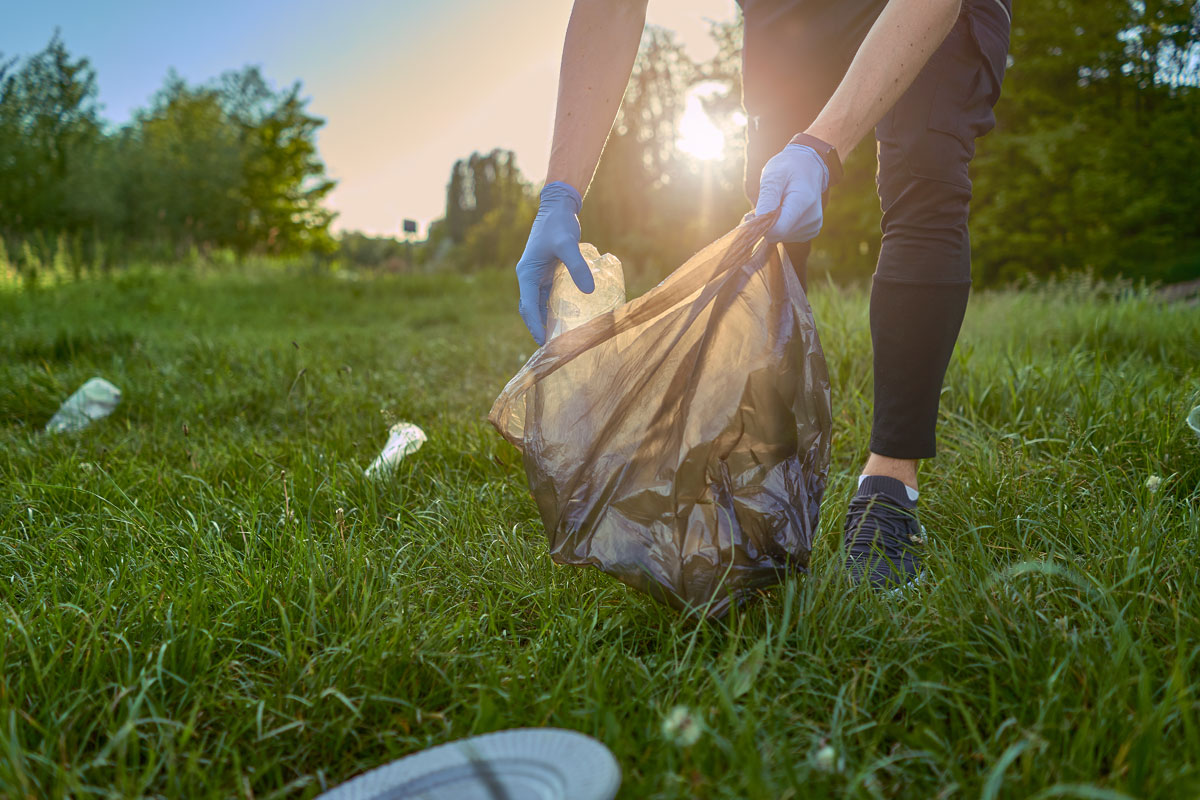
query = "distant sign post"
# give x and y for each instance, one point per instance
(410, 230)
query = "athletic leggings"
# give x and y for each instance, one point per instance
(795, 54)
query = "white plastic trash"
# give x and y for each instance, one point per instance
(95, 400)
(404, 439)
(521, 764)
(1193, 419)
(569, 308)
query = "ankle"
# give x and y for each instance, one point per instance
(903, 470)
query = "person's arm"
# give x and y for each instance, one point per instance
(895, 49)
(598, 54)
(601, 43)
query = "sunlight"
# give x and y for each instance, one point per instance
(699, 136)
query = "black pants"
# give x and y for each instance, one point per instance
(795, 55)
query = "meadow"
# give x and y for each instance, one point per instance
(203, 596)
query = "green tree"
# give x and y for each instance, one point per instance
(649, 203)
(49, 135)
(1094, 163)
(283, 181)
(489, 208)
(183, 170)
(229, 164)
(480, 185)
(232, 163)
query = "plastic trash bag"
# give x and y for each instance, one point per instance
(681, 442)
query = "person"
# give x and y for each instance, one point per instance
(817, 76)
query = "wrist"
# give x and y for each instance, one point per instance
(827, 153)
(559, 192)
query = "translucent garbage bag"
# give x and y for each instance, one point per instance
(680, 443)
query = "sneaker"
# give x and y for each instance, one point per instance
(882, 536)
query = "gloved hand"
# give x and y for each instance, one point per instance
(553, 238)
(793, 181)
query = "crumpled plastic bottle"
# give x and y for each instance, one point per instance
(95, 400)
(569, 308)
(404, 439)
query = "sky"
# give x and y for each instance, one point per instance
(405, 87)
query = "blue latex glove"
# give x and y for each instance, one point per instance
(553, 238)
(793, 181)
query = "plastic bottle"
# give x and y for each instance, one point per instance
(95, 400)
(404, 438)
(569, 308)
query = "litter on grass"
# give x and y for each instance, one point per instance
(404, 439)
(1193, 419)
(95, 400)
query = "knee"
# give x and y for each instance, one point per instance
(927, 204)
(925, 212)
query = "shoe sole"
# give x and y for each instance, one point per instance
(904, 588)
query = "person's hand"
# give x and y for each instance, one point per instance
(553, 238)
(793, 181)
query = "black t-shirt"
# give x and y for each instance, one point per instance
(853, 10)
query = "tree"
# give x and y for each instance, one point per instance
(480, 185)
(229, 164)
(649, 203)
(184, 160)
(283, 177)
(49, 130)
(1094, 163)
(232, 163)
(489, 208)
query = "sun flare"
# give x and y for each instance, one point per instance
(699, 136)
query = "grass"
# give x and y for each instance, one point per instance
(203, 597)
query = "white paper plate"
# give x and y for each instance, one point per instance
(522, 764)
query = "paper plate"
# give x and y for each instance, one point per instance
(522, 764)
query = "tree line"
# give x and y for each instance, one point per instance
(229, 165)
(1093, 165)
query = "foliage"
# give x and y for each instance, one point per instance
(229, 164)
(649, 203)
(374, 252)
(489, 208)
(1094, 164)
(202, 596)
(50, 132)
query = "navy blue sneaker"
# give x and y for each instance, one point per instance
(882, 536)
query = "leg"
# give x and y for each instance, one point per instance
(921, 284)
(923, 278)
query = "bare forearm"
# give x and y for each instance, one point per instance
(898, 45)
(601, 45)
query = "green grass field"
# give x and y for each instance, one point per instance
(203, 597)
